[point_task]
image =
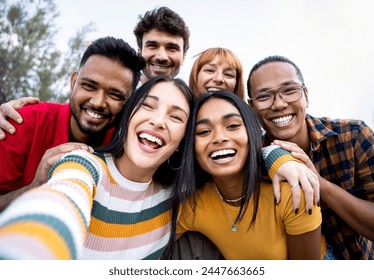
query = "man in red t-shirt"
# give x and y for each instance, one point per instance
(108, 73)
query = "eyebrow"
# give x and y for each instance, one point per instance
(110, 88)
(149, 42)
(282, 85)
(225, 117)
(172, 106)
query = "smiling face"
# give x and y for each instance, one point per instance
(216, 75)
(155, 131)
(221, 141)
(163, 54)
(98, 93)
(283, 121)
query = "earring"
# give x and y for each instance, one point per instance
(172, 167)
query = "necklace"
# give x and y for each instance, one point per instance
(228, 200)
(233, 227)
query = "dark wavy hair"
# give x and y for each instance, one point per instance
(164, 175)
(165, 20)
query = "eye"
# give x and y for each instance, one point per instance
(263, 97)
(231, 75)
(147, 105)
(289, 90)
(117, 96)
(88, 86)
(177, 117)
(208, 70)
(233, 126)
(202, 132)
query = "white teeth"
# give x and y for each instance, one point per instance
(222, 153)
(213, 89)
(94, 115)
(282, 120)
(151, 138)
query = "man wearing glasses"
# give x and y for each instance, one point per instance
(340, 152)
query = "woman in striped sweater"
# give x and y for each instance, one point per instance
(110, 205)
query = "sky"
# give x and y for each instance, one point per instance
(332, 42)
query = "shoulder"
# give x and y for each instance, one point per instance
(43, 109)
(338, 125)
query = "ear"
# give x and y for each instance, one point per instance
(306, 97)
(184, 57)
(73, 79)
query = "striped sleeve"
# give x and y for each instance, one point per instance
(274, 156)
(51, 221)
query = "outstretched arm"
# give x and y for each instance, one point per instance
(8, 110)
(51, 156)
(51, 221)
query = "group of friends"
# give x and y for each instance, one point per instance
(140, 165)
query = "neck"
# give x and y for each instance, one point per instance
(229, 189)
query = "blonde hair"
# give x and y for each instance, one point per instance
(226, 56)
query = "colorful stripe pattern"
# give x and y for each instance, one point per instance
(274, 156)
(71, 218)
(50, 222)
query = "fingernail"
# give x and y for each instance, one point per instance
(11, 131)
(310, 211)
(318, 203)
(19, 120)
(296, 210)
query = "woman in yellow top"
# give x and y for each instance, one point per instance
(227, 200)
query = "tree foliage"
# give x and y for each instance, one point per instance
(30, 62)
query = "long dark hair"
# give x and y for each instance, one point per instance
(164, 175)
(192, 177)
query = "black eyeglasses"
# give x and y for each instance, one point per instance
(289, 93)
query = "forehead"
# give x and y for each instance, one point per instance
(273, 74)
(103, 69)
(216, 108)
(219, 60)
(162, 38)
(170, 94)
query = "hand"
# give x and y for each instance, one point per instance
(297, 174)
(51, 156)
(306, 175)
(8, 110)
(298, 153)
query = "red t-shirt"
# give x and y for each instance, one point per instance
(45, 125)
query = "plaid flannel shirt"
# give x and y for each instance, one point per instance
(343, 153)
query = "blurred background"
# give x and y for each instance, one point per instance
(331, 41)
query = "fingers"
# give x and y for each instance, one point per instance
(276, 188)
(19, 103)
(68, 147)
(8, 110)
(296, 195)
(51, 156)
(6, 126)
(289, 146)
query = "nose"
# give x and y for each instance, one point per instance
(220, 136)
(158, 121)
(98, 100)
(218, 77)
(278, 102)
(161, 54)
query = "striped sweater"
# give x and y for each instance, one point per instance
(87, 210)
